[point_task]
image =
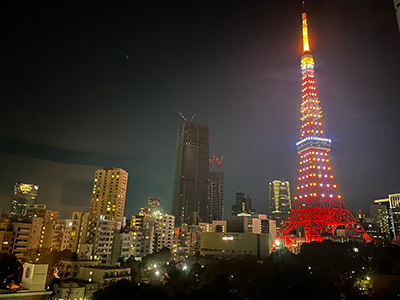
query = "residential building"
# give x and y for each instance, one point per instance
(104, 275)
(164, 231)
(101, 237)
(69, 269)
(79, 230)
(74, 289)
(21, 238)
(122, 246)
(151, 230)
(68, 290)
(109, 192)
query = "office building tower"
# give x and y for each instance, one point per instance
(379, 223)
(216, 191)
(243, 205)
(216, 194)
(392, 204)
(24, 195)
(279, 201)
(109, 192)
(190, 194)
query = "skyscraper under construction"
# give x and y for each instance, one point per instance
(190, 195)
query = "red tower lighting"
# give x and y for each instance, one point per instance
(318, 210)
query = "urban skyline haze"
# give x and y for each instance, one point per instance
(94, 86)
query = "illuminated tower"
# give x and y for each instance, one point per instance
(318, 211)
(190, 195)
(24, 195)
(279, 201)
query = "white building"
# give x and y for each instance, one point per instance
(122, 246)
(104, 275)
(101, 237)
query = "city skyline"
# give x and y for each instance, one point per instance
(232, 68)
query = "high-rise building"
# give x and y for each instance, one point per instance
(318, 212)
(109, 192)
(379, 215)
(279, 201)
(190, 195)
(216, 195)
(243, 205)
(215, 190)
(392, 204)
(24, 195)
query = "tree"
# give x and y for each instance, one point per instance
(10, 270)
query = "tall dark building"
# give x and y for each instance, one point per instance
(190, 195)
(279, 201)
(216, 195)
(243, 205)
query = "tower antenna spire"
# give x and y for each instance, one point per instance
(306, 43)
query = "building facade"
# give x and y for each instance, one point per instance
(24, 195)
(79, 230)
(235, 244)
(216, 195)
(279, 201)
(104, 276)
(190, 193)
(109, 192)
(243, 205)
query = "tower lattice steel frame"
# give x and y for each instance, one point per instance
(318, 210)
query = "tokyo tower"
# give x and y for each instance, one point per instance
(318, 211)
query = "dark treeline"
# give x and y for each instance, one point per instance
(324, 270)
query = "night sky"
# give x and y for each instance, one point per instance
(87, 85)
